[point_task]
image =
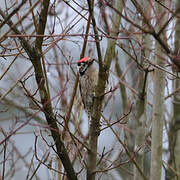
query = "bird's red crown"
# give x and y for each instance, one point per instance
(84, 59)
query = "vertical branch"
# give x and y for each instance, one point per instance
(33, 16)
(121, 86)
(94, 124)
(86, 37)
(4, 160)
(42, 24)
(91, 12)
(100, 89)
(140, 124)
(39, 40)
(158, 110)
(140, 107)
(174, 132)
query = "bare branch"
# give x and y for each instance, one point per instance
(35, 57)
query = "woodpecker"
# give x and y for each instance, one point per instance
(88, 77)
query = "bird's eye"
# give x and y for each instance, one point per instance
(79, 64)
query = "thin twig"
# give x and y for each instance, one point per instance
(91, 12)
(167, 22)
(15, 84)
(12, 13)
(13, 26)
(127, 150)
(5, 71)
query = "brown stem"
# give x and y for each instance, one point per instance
(91, 12)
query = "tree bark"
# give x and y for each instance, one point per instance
(140, 111)
(174, 130)
(158, 103)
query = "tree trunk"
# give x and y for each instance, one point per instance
(158, 102)
(174, 133)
